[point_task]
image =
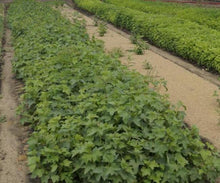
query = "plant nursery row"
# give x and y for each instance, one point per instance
(192, 40)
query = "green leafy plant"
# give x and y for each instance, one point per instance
(116, 52)
(93, 120)
(147, 65)
(216, 95)
(96, 21)
(102, 28)
(140, 44)
(135, 38)
(138, 50)
(2, 119)
(140, 47)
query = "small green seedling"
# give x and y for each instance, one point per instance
(141, 45)
(2, 119)
(102, 29)
(147, 65)
(116, 52)
(135, 37)
(96, 21)
(139, 50)
(216, 94)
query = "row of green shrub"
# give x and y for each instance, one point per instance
(209, 17)
(192, 41)
(93, 120)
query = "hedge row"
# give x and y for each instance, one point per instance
(93, 120)
(194, 42)
(209, 17)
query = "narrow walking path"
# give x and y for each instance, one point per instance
(6, 1)
(12, 134)
(195, 92)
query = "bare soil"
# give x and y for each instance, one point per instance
(194, 91)
(6, 1)
(12, 135)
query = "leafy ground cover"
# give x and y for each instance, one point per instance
(188, 39)
(94, 120)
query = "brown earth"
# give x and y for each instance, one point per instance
(12, 135)
(6, 1)
(194, 91)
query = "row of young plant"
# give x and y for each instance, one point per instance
(192, 41)
(93, 120)
(209, 17)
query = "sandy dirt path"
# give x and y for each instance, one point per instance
(12, 135)
(195, 92)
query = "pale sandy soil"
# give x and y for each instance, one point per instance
(195, 92)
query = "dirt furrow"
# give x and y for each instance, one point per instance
(195, 92)
(12, 134)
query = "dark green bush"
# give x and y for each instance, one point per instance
(192, 41)
(208, 17)
(95, 121)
